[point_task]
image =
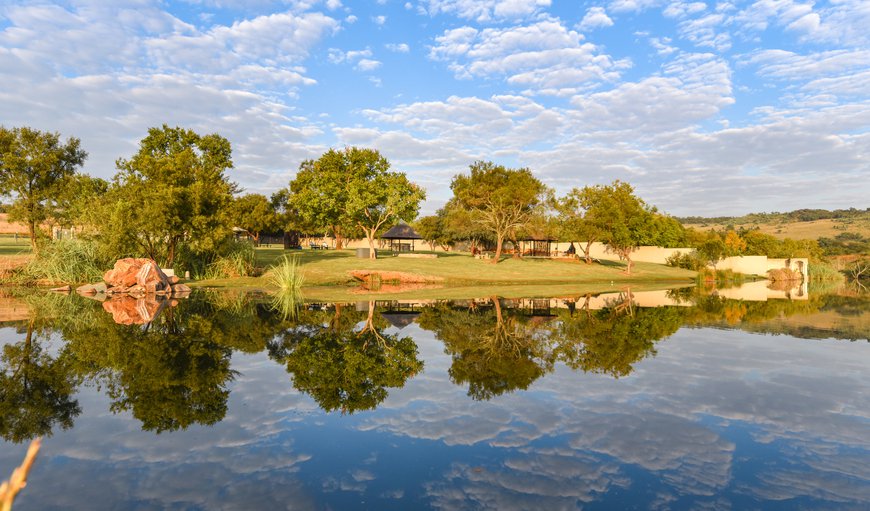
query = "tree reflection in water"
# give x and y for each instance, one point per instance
(494, 351)
(36, 389)
(175, 371)
(342, 367)
(612, 339)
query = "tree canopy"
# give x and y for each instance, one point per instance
(34, 167)
(353, 190)
(623, 220)
(503, 198)
(172, 198)
(255, 214)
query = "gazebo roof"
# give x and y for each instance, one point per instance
(401, 232)
(400, 319)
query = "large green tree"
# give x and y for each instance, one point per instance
(434, 229)
(502, 198)
(172, 196)
(624, 220)
(255, 214)
(351, 190)
(577, 221)
(34, 167)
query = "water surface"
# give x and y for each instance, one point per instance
(669, 400)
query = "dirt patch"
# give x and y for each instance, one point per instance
(393, 277)
(10, 263)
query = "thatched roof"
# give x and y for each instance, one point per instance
(401, 232)
(400, 319)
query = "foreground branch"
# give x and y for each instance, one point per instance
(9, 489)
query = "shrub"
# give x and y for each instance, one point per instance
(784, 275)
(288, 278)
(67, 261)
(688, 261)
(823, 271)
(286, 275)
(236, 260)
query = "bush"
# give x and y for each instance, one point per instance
(784, 275)
(689, 261)
(286, 275)
(288, 278)
(236, 260)
(820, 271)
(67, 261)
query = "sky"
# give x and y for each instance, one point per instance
(707, 108)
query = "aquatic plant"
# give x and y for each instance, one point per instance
(287, 276)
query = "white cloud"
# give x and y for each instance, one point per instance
(596, 17)
(398, 48)
(680, 9)
(633, 5)
(542, 58)
(367, 64)
(485, 10)
(379, 20)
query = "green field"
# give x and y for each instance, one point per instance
(9, 245)
(327, 275)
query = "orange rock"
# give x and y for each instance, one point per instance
(132, 271)
(127, 310)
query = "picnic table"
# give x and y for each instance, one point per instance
(318, 246)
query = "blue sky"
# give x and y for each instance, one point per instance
(706, 107)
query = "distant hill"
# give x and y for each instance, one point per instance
(798, 224)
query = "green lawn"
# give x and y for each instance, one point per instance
(10, 246)
(327, 275)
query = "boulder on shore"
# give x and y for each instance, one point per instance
(134, 271)
(135, 277)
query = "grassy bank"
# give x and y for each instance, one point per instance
(327, 276)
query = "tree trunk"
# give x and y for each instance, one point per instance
(518, 253)
(628, 266)
(170, 257)
(31, 230)
(498, 243)
(586, 252)
(339, 239)
(370, 235)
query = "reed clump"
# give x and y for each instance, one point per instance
(67, 261)
(236, 261)
(287, 277)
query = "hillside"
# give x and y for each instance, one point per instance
(799, 224)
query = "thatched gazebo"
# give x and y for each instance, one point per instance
(399, 236)
(538, 246)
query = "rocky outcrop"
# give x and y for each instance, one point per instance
(135, 277)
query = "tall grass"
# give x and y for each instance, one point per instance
(821, 271)
(68, 261)
(237, 260)
(286, 275)
(288, 278)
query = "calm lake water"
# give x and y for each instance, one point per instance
(739, 399)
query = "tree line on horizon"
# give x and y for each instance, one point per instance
(174, 202)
